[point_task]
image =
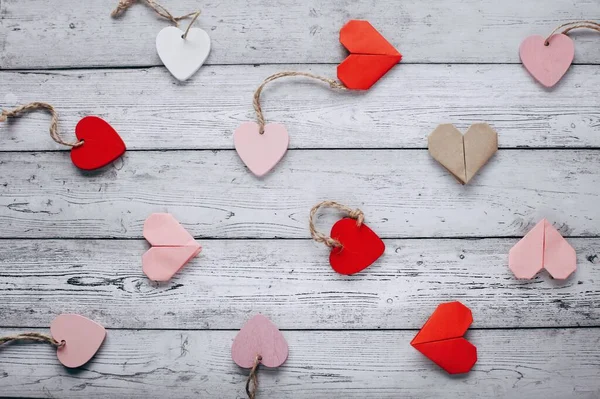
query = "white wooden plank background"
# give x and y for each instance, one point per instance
(71, 241)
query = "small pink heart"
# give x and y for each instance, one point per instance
(547, 64)
(259, 337)
(82, 338)
(261, 152)
(172, 247)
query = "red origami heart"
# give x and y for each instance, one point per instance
(441, 338)
(360, 247)
(101, 144)
(371, 56)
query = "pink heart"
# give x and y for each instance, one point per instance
(259, 337)
(261, 152)
(547, 64)
(82, 338)
(172, 247)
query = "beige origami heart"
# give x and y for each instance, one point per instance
(462, 155)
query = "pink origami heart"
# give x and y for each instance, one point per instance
(542, 247)
(547, 64)
(172, 247)
(261, 152)
(82, 338)
(259, 337)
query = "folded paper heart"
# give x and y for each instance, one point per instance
(260, 339)
(371, 56)
(261, 152)
(542, 248)
(101, 144)
(182, 56)
(441, 338)
(462, 155)
(172, 247)
(547, 61)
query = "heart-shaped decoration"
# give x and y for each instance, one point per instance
(371, 56)
(441, 338)
(547, 63)
(259, 337)
(462, 155)
(360, 247)
(182, 57)
(261, 152)
(172, 247)
(82, 338)
(101, 144)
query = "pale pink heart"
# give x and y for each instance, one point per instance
(259, 337)
(82, 338)
(172, 247)
(261, 152)
(542, 247)
(547, 64)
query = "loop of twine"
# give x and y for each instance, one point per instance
(253, 378)
(593, 25)
(325, 239)
(256, 102)
(53, 120)
(36, 337)
(160, 10)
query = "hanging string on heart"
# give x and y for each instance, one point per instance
(569, 26)
(53, 121)
(256, 101)
(356, 214)
(252, 381)
(158, 9)
(35, 337)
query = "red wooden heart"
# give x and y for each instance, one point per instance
(441, 338)
(360, 247)
(101, 144)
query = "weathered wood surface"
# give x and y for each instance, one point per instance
(41, 33)
(402, 193)
(291, 281)
(151, 111)
(538, 364)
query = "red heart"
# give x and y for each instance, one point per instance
(101, 144)
(360, 247)
(441, 338)
(371, 56)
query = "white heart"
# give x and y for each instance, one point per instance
(182, 57)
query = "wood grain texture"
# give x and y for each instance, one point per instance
(292, 282)
(39, 34)
(150, 110)
(537, 364)
(403, 193)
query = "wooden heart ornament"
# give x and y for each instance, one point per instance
(462, 155)
(259, 339)
(441, 338)
(172, 247)
(360, 247)
(182, 56)
(547, 62)
(101, 144)
(261, 152)
(371, 56)
(82, 338)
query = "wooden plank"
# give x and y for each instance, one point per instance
(542, 364)
(291, 281)
(78, 34)
(150, 112)
(403, 193)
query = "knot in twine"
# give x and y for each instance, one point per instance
(356, 214)
(35, 337)
(593, 25)
(256, 101)
(253, 379)
(158, 9)
(53, 120)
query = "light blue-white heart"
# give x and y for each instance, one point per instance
(182, 57)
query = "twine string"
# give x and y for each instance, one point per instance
(325, 239)
(36, 337)
(573, 25)
(53, 120)
(256, 102)
(190, 25)
(253, 379)
(160, 10)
